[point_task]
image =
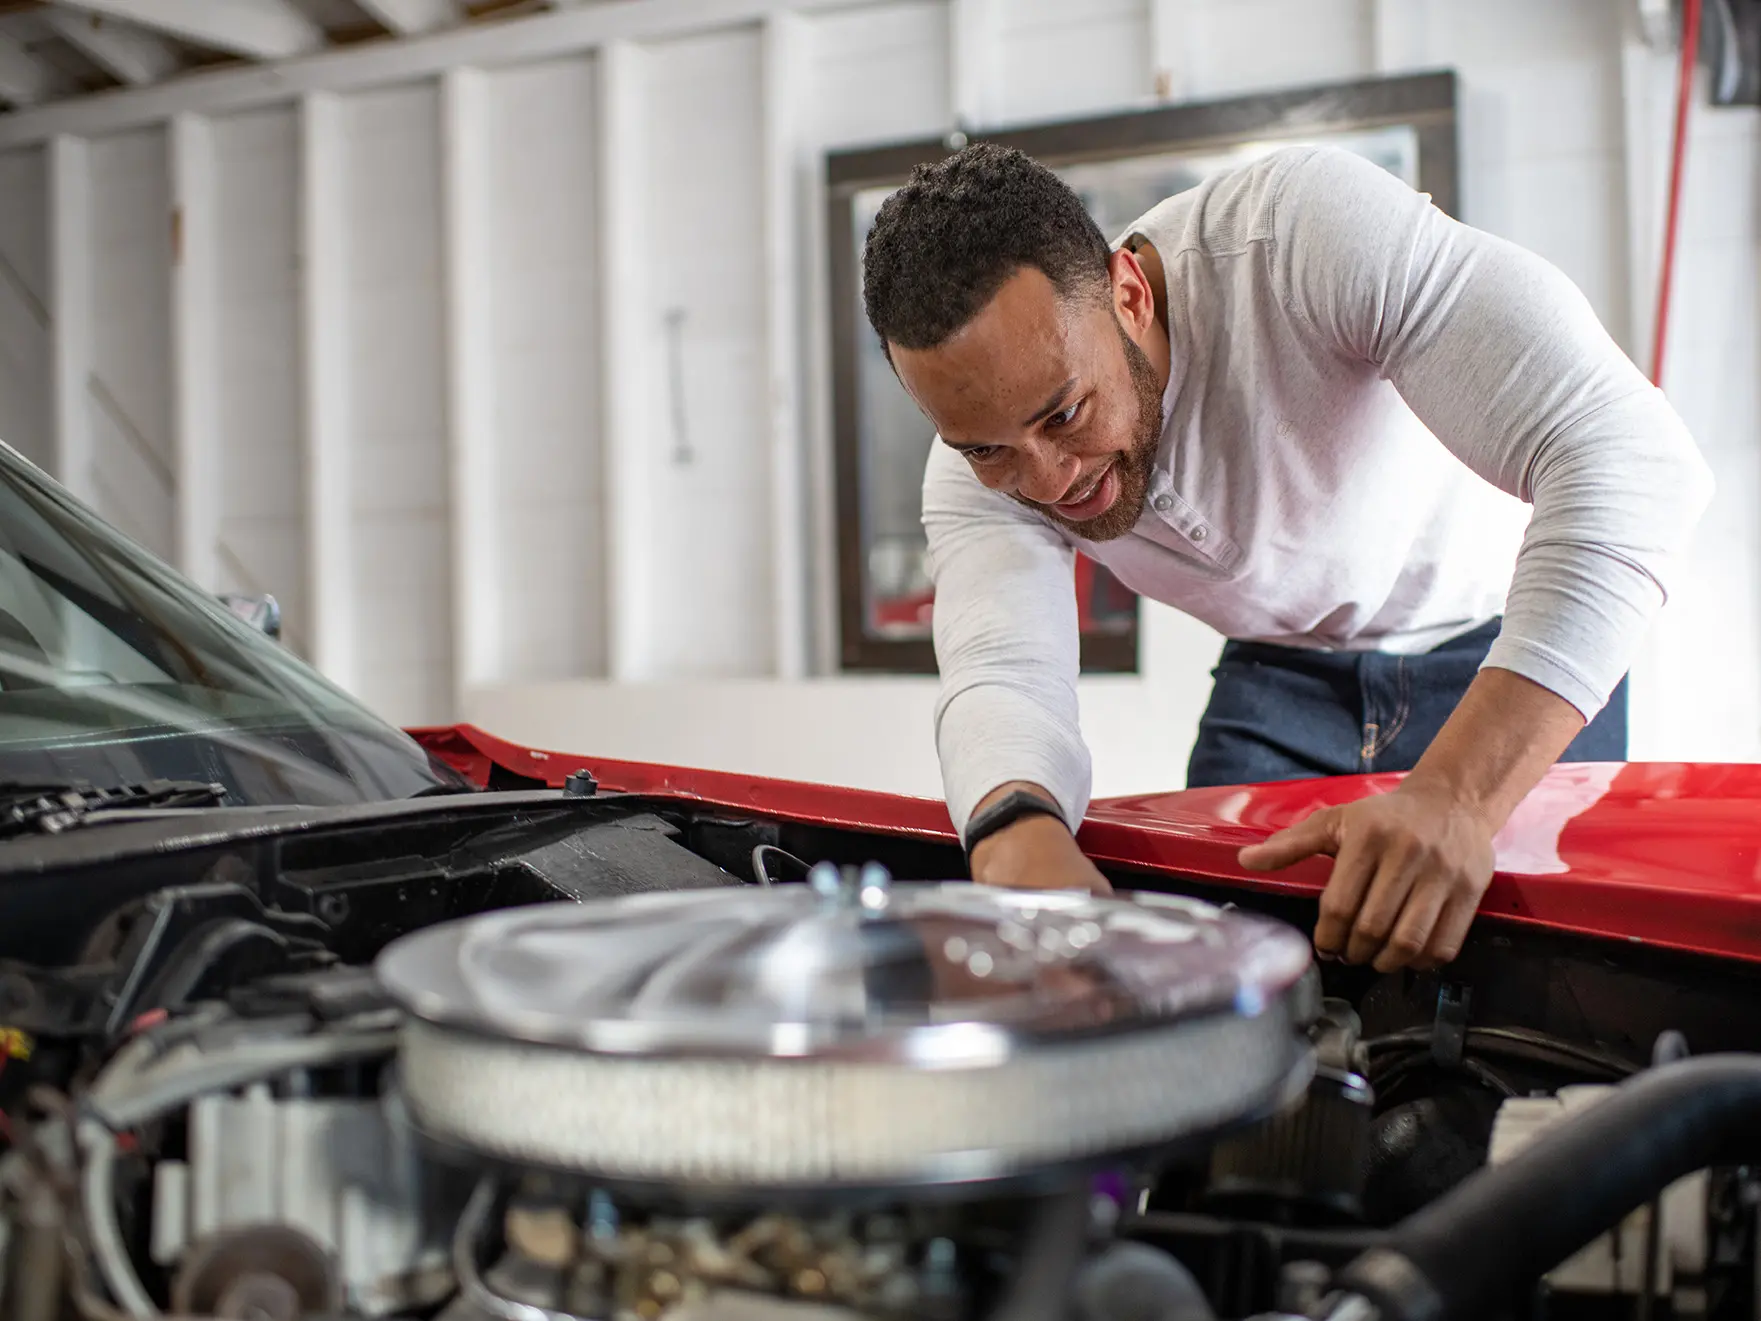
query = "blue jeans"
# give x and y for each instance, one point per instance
(1284, 713)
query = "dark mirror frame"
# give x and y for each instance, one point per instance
(1426, 103)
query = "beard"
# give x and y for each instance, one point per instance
(1132, 467)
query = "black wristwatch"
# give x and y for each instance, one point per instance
(1006, 811)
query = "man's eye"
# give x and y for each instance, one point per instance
(983, 453)
(1066, 417)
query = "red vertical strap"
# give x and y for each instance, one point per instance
(1684, 99)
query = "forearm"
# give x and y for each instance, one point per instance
(991, 736)
(1502, 738)
(1006, 641)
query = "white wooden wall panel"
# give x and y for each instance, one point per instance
(1710, 644)
(70, 315)
(1541, 134)
(262, 541)
(327, 488)
(474, 525)
(128, 395)
(877, 74)
(627, 347)
(706, 549)
(195, 350)
(1254, 45)
(542, 265)
(784, 53)
(1056, 60)
(396, 424)
(872, 75)
(24, 303)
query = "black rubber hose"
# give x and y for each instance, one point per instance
(1507, 1225)
(1669, 1047)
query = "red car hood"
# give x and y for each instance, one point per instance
(1657, 853)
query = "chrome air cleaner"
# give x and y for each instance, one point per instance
(853, 1032)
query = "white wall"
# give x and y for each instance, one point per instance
(260, 536)
(1697, 689)
(442, 363)
(24, 303)
(546, 598)
(394, 331)
(128, 393)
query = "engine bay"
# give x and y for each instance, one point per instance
(528, 1056)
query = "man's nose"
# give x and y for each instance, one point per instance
(1044, 473)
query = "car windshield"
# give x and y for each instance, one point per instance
(115, 670)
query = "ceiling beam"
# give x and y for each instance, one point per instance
(24, 79)
(126, 53)
(543, 36)
(256, 29)
(409, 18)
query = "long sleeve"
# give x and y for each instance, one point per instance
(1503, 360)
(1006, 641)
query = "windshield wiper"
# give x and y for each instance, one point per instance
(49, 808)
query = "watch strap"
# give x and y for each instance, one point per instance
(1006, 811)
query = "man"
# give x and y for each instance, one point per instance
(1303, 405)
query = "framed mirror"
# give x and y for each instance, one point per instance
(1121, 166)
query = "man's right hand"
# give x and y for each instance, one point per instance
(1034, 853)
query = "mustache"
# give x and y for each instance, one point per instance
(1078, 491)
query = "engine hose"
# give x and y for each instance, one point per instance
(1506, 1225)
(146, 1094)
(1667, 1049)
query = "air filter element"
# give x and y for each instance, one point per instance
(868, 1035)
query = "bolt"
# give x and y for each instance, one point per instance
(333, 908)
(825, 880)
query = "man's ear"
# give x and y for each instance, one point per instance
(1133, 298)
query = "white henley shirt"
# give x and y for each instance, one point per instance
(1382, 428)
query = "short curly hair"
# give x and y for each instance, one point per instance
(945, 242)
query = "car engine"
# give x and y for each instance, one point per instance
(847, 1096)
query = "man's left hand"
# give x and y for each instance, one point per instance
(1409, 869)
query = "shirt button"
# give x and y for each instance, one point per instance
(1163, 503)
(1198, 534)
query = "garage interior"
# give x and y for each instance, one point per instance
(492, 339)
(506, 360)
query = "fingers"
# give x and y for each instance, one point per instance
(1353, 870)
(1314, 834)
(1409, 943)
(1384, 905)
(1452, 927)
(1406, 881)
(1436, 912)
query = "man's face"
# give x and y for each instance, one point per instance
(1051, 401)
